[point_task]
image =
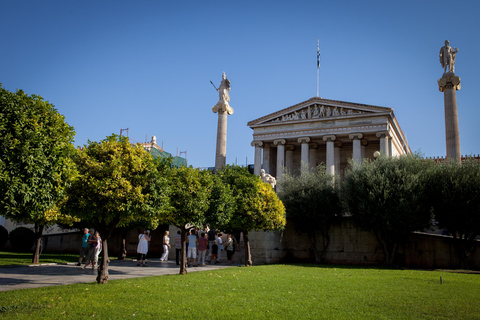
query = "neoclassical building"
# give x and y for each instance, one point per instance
(321, 130)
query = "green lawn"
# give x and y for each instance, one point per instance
(23, 258)
(260, 292)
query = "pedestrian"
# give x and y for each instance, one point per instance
(178, 246)
(219, 243)
(142, 247)
(211, 240)
(98, 249)
(229, 247)
(192, 248)
(166, 246)
(92, 242)
(235, 248)
(84, 247)
(202, 249)
(214, 258)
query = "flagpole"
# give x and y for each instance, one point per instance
(318, 62)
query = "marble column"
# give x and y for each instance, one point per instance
(280, 157)
(449, 84)
(337, 145)
(289, 158)
(258, 157)
(312, 155)
(357, 147)
(364, 144)
(384, 135)
(330, 161)
(221, 151)
(266, 159)
(304, 155)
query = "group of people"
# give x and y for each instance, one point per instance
(91, 248)
(198, 243)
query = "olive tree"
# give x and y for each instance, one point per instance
(454, 191)
(313, 205)
(388, 196)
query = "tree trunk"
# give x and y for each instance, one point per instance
(313, 243)
(38, 243)
(102, 276)
(248, 255)
(123, 244)
(183, 262)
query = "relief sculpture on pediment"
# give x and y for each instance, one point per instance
(316, 111)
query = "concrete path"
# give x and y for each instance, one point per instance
(34, 276)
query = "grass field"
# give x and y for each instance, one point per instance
(260, 292)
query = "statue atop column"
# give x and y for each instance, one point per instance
(447, 57)
(223, 97)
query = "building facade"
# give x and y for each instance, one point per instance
(324, 131)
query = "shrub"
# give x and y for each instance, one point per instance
(3, 236)
(22, 239)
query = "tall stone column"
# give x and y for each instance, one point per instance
(257, 166)
(304, 153)
(449, 84)
(384, 135)
(357, 147)
(223, 109)
(330, 153)
(312, 155)
(280, 157)
(266, 159)
(289, 158)
(337, 145)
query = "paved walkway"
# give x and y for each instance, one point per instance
(34, 276)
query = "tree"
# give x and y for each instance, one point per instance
(190, 200)
(388, 197)
(35, 160)
(454, 191)
(313, 205)
(256, 205)
(118, 183)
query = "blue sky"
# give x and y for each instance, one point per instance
(147, 65)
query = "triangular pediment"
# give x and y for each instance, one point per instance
(319, 109)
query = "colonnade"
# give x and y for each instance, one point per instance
(308, 156)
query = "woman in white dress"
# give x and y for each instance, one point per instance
(166, 247)
(142, 247)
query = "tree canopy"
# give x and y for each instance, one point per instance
(454, 191)
(118, 183)
(35, 159)
(388, 197)
(313, 205)
(257, 206)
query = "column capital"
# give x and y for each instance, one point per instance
(303, 140)
(279, 141)
(354, 136)
(364, 142)
(338, 144)
(383, 134)
(257, 143)
(313, 145)
(289, 147)
(449, 81)
(329, 138)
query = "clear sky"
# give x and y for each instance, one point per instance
(147, 65)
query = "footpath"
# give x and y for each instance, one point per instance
(43, 275)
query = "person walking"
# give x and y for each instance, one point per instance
(166, 247)
(142, 248)
(202, 249)
(211, 240)
(219, 243)
(192, 248)
(178, 246)
(92, 242)
(84, 247)
(230, 248)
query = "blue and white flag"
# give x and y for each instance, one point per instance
(318, 54)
